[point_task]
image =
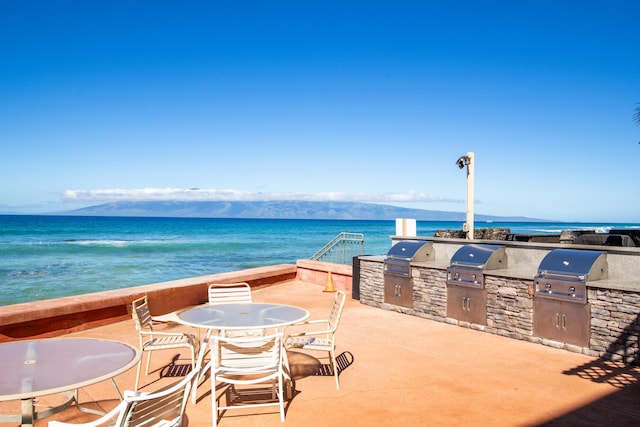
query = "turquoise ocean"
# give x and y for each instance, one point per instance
(44, 257)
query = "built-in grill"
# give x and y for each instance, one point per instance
(468, 263)
(398, 284)
(466, 296)
(563, 274)
(561, 311)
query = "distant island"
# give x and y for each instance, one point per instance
(278, 210)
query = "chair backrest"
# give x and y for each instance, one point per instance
(163, 407)
(229, 293)
(336, 310)
(247, 354)
(141, 314)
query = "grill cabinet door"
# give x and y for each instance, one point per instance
(546, 319)
(467, 304)
(576, 326)
(562, 321)
(398, 291)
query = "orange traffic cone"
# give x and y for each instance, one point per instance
(329, 286)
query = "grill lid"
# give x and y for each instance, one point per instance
(479, 256)
(411, 250)
(574, 264)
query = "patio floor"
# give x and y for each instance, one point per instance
(404, 370)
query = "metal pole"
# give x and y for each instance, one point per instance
(470, 184)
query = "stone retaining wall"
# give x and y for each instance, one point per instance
(478, 233)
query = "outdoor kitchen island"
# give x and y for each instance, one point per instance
(600, 299)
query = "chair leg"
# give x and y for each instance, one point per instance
(196, 382)
(214, 403)
(203, 367)
(334, 367)
(138, 373)
(281, 396)
(148, 362)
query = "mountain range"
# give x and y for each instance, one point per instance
(277, 209)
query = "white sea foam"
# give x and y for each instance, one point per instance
(98, 242)
(547, 230)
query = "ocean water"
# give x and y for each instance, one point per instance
(45, 257)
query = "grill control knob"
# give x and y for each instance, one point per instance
(547, 287)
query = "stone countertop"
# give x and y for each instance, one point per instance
(616, 284)
(513, 272)
(620, 284)
(435, 264)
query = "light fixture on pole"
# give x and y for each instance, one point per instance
(467, 160)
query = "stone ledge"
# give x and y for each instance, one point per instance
(59, 316)
(317, 272)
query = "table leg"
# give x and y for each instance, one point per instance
(27, 412)
(96, 411)
(113, 381)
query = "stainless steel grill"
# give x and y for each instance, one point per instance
(466, 296)
(468, 263)
(399, 257)
(560, 307)
(563, 274)
(398, 285)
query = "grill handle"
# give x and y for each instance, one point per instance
(555, 275)
(467, 265)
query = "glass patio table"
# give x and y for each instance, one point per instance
(236, 316)
(39, 367)
(239, 316)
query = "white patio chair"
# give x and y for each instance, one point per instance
(233, 293)
(225, 293)
(321, 336)
(246, 361)
(162, 408)
(151, 340)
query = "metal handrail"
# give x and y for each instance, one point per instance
(341, 249)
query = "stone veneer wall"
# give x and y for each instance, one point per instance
(430, 293)
(615, 324)
(371, 283)
(615, 315)
(509, 307)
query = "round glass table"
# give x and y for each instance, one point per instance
(239, 316)
(39, 367)
(242, 316)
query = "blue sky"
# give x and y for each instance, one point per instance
(365, 101)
